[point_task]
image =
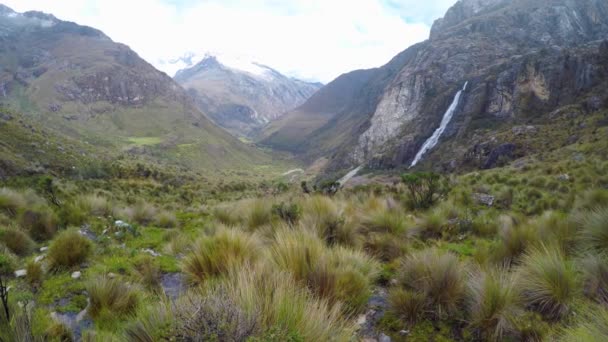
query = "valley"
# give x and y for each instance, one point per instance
(457, 193)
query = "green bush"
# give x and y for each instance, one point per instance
(69, 249)
(289, 213)
(34, 274)
(425, 189)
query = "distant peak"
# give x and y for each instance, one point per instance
(5, 9)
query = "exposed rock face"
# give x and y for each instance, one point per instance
(522, 58)
(243, 101)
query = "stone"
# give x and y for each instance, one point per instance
(361, 319)
(76, 275)
(111, 275)
(484, 199)
(524, 130)
(20, 273)
(151, 252)
(43, 249)
(39, 258)
(404, 332)
(563, 178)
(384, 338)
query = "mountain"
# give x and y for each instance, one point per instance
(532, 68)
(240, 95)
(76, 81)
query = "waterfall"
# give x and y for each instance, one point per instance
(434, 139)
(349, 175)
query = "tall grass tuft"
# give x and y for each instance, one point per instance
(494, 304)
(548, 283)
(323, 216)
(594, 232)
(69, 249)
(284, 307)
(17, 241)
(40, 222)
(592, 326)
(215, 255)
(110, 297)
(437, 276)
(595, 277)
(338, 274)
(258, 213)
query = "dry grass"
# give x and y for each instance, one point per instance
(69, 249)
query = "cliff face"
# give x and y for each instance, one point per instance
(522, 58)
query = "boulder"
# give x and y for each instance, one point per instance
(484, 199)
(76, 275)
(20, 273)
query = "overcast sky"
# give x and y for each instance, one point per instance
(310, 39)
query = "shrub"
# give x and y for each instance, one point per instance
(438, 276)
(215, 255)
(7, 263)
(290, 213)
(58, 331)
(425, 189)
(493, 304)
(111, 297)
(69, 249)
(41, 223)
(594, 233)
(548, 282)
(595, 277)
(17, 241)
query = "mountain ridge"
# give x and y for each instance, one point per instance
(240, 95)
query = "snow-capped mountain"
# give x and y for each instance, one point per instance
(239, 94)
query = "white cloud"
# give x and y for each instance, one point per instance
(310, 39)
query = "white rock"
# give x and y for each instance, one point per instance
(151, 252)
(361, 319)
(20, 273)
(39, 258)
(44, 249)
(76, 275)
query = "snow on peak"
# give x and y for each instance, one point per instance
(230, 61)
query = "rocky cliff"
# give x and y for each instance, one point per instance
(240, 95)
(523, 60)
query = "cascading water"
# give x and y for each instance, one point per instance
(350, 175)
(447, 117)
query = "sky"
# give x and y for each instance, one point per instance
(314, 40)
